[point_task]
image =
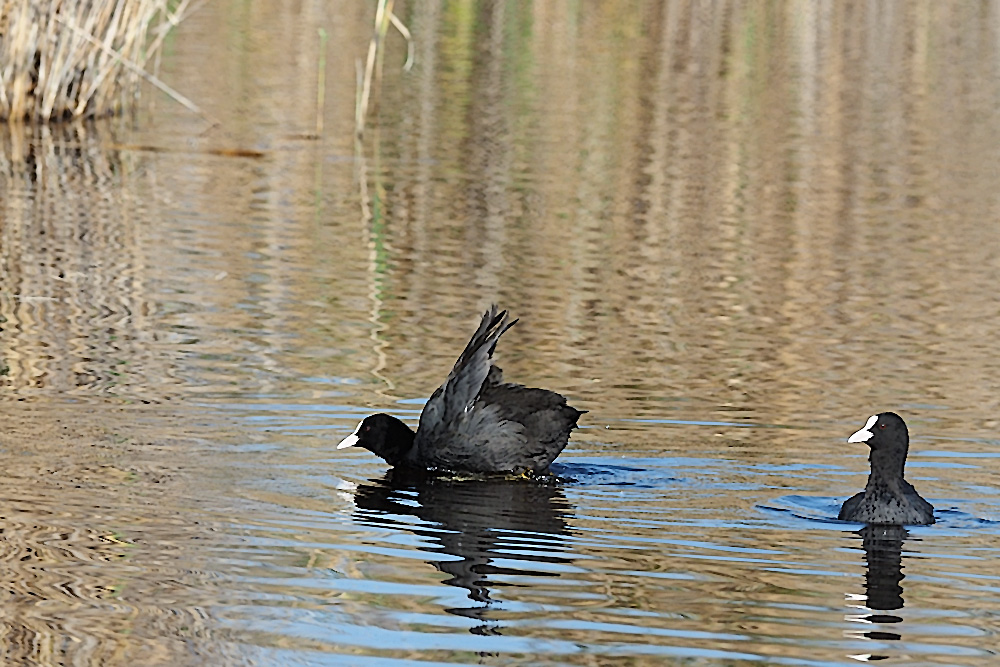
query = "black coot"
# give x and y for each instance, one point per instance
(888, 498)
(475, 422)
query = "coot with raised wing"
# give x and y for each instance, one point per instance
(475, 422)
(888, 498)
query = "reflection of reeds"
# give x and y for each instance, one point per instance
(73, 298)
(78, 59)
(100, 562)
(374, 221)
(373, 64)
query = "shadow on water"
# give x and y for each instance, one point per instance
(519, 523)
(883, 545)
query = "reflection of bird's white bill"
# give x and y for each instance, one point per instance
(864, 435)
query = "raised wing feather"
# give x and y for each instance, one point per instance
(445, 414)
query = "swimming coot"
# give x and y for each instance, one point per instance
(888, 498)
(475, 422)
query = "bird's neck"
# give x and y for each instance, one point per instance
(887, 467)
(398, 443)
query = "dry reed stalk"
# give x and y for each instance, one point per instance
(321, 83)
(78, 59)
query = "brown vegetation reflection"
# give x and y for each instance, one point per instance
(711, 200)
(73, 301)
(103, 558)
(779, 213)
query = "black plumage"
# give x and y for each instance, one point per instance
(475, 422)
(887, 498)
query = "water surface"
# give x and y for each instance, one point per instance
(731, 232)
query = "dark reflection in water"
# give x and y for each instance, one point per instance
(883, 551)
(883, 545)
(521, 522)
(704, 213)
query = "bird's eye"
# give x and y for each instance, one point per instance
(882, 425)
(368, 428)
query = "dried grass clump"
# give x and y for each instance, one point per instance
(80, 58)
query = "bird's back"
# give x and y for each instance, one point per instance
(545, 418)
(510, 428)
(475, 422)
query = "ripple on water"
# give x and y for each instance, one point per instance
(659, 555)
(730, 229)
